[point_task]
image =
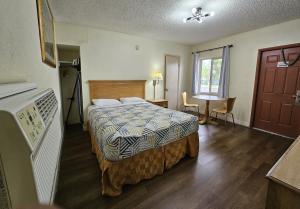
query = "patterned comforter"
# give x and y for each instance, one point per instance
(126, 130)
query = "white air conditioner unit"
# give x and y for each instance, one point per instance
(30, 144)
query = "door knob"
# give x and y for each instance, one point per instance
(297, 94)
(297, 97)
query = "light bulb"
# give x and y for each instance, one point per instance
(194, 11)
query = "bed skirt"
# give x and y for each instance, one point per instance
(144, 165)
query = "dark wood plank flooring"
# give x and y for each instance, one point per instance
(229, 173)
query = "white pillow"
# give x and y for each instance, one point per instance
(106, 102)
(127, 100)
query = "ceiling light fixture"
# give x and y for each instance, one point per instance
(198, 15)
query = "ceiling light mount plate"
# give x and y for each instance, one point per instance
(197, 11)
(197, 15)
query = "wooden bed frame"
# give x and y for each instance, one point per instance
(115, 89)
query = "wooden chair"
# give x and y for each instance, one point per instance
(226, 109)
(186, 105)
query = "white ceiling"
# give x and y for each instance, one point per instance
(162, 19)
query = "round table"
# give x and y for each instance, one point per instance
(207, 99)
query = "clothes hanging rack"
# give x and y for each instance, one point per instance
(206, 50)
(77, 91)
(64, 64)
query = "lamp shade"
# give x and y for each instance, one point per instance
(157, 76)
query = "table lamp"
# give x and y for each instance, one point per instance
(157, 76)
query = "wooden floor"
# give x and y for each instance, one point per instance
(229, 173)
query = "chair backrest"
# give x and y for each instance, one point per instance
(230, 103)
(184, 98)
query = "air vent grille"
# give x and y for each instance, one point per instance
(47, 105)
(4, 201)
(45, 162)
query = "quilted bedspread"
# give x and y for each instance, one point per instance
(126, 130)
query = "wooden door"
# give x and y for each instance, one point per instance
(276, 109)
(171, 81)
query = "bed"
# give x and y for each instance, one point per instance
(136, 141)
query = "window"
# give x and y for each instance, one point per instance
(210, 75)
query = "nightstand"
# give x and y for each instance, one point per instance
(159, 102)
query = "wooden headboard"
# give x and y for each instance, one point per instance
(115, 89)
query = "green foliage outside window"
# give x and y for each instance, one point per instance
(210, 75)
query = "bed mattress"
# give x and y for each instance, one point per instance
(126, 130)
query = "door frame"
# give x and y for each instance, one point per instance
(165, 77)
(257, 76)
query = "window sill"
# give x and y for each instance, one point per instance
(208, 94)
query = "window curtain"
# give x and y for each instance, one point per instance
(196, 74)
(223, 90)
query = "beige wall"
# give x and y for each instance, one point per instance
(244, 58)
(113, 56)
(20, 46)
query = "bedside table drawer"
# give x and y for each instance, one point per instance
(162, 103)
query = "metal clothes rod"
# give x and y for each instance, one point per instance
(206, 50)
(65, 62)
(74, 64)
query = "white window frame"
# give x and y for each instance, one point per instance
(210, 77)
